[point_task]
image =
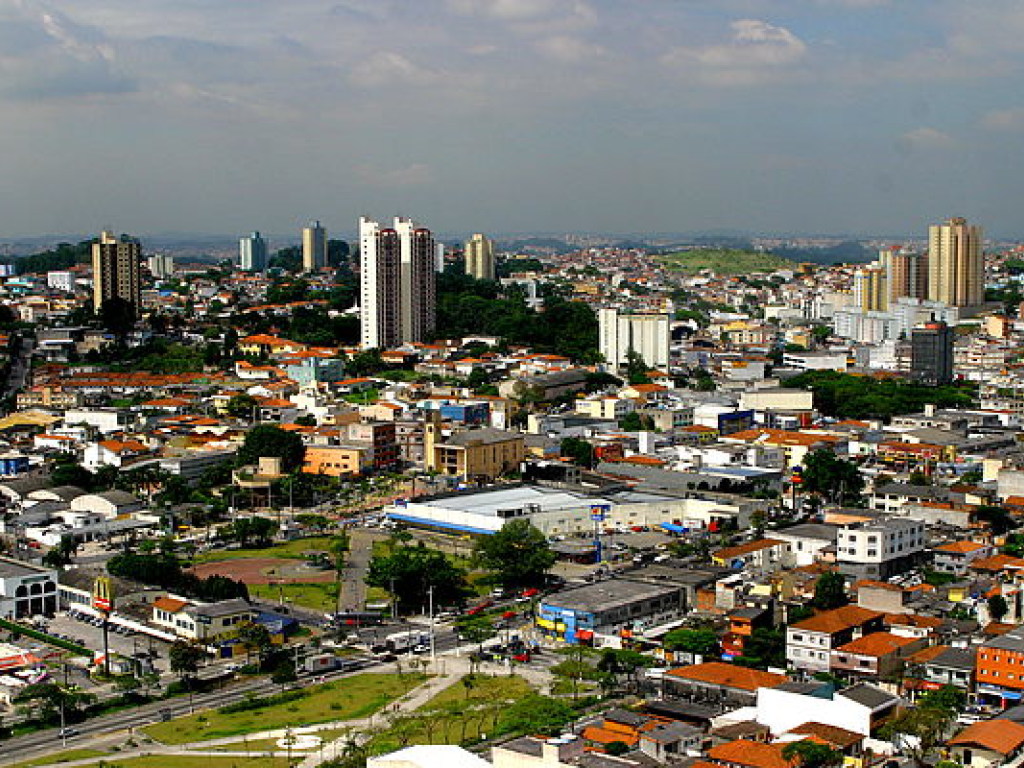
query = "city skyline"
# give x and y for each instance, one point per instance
(822, 116)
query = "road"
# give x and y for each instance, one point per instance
(352, 595)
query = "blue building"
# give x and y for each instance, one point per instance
(608, 607)
(13, 464)
(467, 413)
(309, 371)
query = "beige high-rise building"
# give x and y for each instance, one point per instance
(956, 267)
(480, 257)
(871, 288)
(314, 247)
(906, 273)
(116, 267)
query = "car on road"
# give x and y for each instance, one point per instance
(66, 732)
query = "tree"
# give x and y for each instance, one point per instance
(254, 637)
(62, 554)
(259, 530)
(700, 641)
(518, 555)
(997, 607)
(536, 714)
(184, 658)
(409, 572)
(837, 480)
(616, 748)
(764, 648)
(830, 591)
(811, 754)
(241, 406)
(575, 668)
(918, 731)
(580, 451)
(269, 440)
(636, 368)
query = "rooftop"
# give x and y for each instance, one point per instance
(728, 676)
(608, 595)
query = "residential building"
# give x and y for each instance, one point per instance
(809, 643)
(955, 557)
(161, 265)
(879, 550)
(871, 288)
(647, 335)
(938, 665)
(906, 273)
(252, 253)
(760, 554)
(314, 247)
(931, 354)
(718, 681)
(474, 454)
(792, 705)
(956, 270)
(116, 271)
(479, 253)
(397, 283)
(987, 744)
(61, 281)
(878, 656)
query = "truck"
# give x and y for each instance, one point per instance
(400, 642)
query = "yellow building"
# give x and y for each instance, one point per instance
(337, 460)
(476, 454)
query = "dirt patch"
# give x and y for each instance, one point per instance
(265, 570)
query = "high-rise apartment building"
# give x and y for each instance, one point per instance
(397, 283)
(956, 268)
(906, 273)
(116, 271)
(161, 265)
(931, 353)
(646, 335)
(314, 247)
(871, 288)
(252, 253)
(479, 254)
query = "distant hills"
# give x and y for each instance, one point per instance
(726, 261)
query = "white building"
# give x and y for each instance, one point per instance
(314, 247)
(61, 281)
(397, 283)
(161, 265)
(881, 549)
(252, 253)
(646, 335)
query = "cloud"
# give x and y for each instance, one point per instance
(387, 68)
(569, 50)
(1011, 119)
(754, 54)
(44, 55)
(924, 139)
(410, 176)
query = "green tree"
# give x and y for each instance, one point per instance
(241, 406)
(702, 641)
(616, 748)
(997, 607)
(518, 555)
(636, 368)
(184, 658)
(764, 648)
(536, 714)
(830, 591)
(62, 554)
(254, 637)
(837, 480)
(118, 316)
(580, 451)
(575, 668)
(409, 572)
(811, 754)
(270, 440)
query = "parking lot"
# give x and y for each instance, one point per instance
(91, 637)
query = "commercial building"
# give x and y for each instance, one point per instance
(1000, 668)
(116, 271)
(956, 269)
(931, 354)
(475, 454)
(881, 549)
(252, 253)
(479, 253)
(646, 335)
(26, 590)
(608, 608)
(397, 283)
(314, 247)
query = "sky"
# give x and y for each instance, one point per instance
(503, 116)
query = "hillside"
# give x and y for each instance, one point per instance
(724, 261)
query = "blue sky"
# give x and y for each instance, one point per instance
(222, 116)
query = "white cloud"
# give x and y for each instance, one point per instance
(387, 68)
(409, 176)
(924, 139)
(569, 50)
(756, 52)
(1011, 119)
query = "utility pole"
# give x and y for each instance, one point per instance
(430, 595)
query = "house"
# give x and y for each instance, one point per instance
(931, 668)
(760, 554)
(878, 655)
(809, 542)
(858, 708)
(988, 743)
(956, 556)
(743, 753)
(809, 643)
(718, 681)
(193, 621)
(850, 743)
(670, 741)
(533, 752)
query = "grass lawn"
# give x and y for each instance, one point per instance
(180, 760)
(458, 714)
(270, 745)
(289, 549)
(347, 699)
(724, 262)
(319, 597)
(62, 757)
